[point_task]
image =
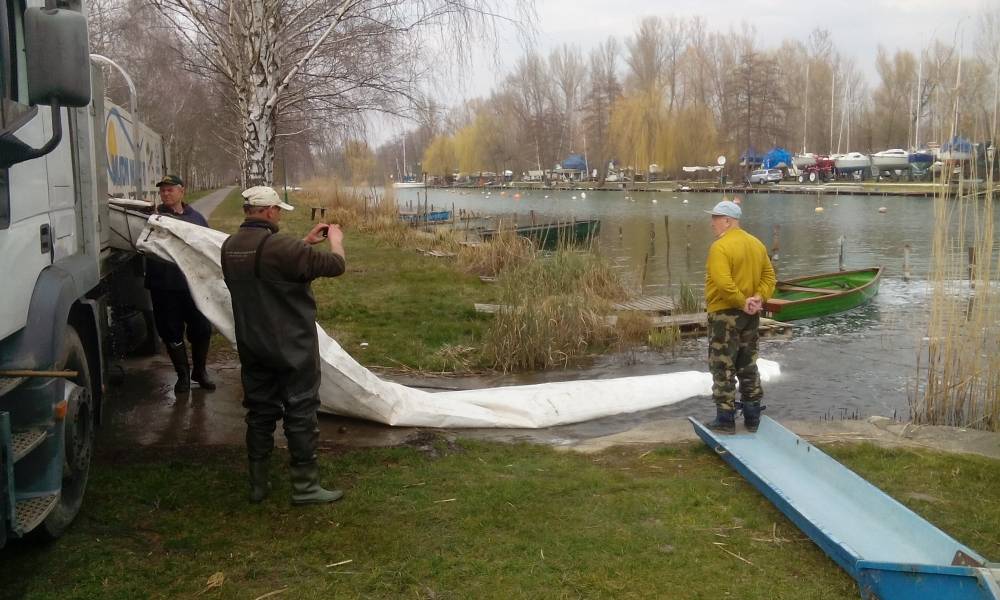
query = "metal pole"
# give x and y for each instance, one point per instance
(133, 104)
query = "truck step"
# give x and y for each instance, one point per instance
(32, 511)
(24, 442)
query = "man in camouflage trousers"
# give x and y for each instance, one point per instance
(739, 278)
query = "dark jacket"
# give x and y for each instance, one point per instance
(160, 274)
(268, 275)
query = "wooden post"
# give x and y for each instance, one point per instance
(906, 262)
(972, 266)
(533, 222)
(619, 233)
(840, 259)
(666, 240)
(775, 242)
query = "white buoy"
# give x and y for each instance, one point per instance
(546, 196)
(883, 209)
(583, 194)
(574, 197)
(819, 209)
(685, 201)
(654, 200)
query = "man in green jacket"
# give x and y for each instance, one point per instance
(268, 275)
(738, 280)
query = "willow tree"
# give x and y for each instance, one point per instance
(319, 59)
(637, 122)
(440, 157)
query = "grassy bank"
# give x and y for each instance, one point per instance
(412, 311)
(472, 520)
(398, 307)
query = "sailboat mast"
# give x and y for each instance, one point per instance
(920, 74)
(805, 111)
(833, 87)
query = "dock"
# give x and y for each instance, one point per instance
(868, 188)
(689, 324)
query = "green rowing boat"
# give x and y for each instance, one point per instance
(550, 236)
(819, 295)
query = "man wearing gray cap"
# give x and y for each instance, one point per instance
(269, 275)
(738, 279)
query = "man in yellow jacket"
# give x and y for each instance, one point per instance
(738, 280)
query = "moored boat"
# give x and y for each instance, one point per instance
(818, 295)
(956, 150)
(550, 236)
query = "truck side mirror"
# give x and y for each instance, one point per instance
(58, 57)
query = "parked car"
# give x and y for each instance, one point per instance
(765, 176)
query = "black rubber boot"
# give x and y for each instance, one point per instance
(199, 355)
(751, 415)
(306, 488)
(260, 484)
(178, 356)
(725, 421)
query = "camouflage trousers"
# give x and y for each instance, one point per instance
(732, 355)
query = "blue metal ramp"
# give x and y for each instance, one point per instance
(888, 549)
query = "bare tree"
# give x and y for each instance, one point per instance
(568, 71)
(329, 57)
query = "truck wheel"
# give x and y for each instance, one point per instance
(78, 442)
(802, 179)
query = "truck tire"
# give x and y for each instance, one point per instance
(78, 442)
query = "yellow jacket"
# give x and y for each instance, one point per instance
(738, 267)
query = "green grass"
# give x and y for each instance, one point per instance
(472, 520)
(414, 311)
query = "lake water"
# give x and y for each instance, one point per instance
(854, 364)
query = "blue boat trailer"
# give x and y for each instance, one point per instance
(891, 552)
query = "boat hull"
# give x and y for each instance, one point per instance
(820, 295)
(409, 184)
(854, 163)
(553, 235)
(802, 161)
(891, 163)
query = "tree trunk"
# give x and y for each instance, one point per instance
(259, 118)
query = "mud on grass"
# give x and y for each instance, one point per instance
(447, 519)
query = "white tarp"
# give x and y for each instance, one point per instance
(350, 389)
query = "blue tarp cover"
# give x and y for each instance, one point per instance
(776, 157)
(575, 161)
(957, 144)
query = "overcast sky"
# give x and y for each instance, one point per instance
(858, 27)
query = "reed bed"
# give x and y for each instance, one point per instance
(958, 368)
(553, 311)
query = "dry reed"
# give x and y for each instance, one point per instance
(959, 384)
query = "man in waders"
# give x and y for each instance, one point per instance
(269, 276)
(739, 278)
(174, 311)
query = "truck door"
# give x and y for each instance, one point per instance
(26, 236)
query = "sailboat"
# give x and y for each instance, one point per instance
(407, 179)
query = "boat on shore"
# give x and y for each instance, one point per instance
(895, 159)
(852, 161)
(550, 236)
(956, 150)
(819, 295)
(801, 161)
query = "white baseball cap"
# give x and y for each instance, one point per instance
(726, 208)
(261, 195)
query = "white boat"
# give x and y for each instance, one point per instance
(852, 161)
(895, 159)
(801, 161)
(409, 184)
(127, 218)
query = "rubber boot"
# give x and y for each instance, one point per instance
(199, 355)
(725, 421)
(178, 356)
(306, 488)
(260, 484)
(751, 415)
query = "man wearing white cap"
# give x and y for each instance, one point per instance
(738, 279)
(269, 276)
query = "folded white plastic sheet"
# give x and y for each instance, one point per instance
(350, 389)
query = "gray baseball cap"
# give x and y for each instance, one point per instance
(727, 208)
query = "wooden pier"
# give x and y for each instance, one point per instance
(871, 188)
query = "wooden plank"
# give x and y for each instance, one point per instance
(798, 288)
(664, 304)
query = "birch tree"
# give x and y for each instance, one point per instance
(302, 59)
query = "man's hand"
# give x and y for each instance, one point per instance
(753, 305)
(316, 234)
(336, 239)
